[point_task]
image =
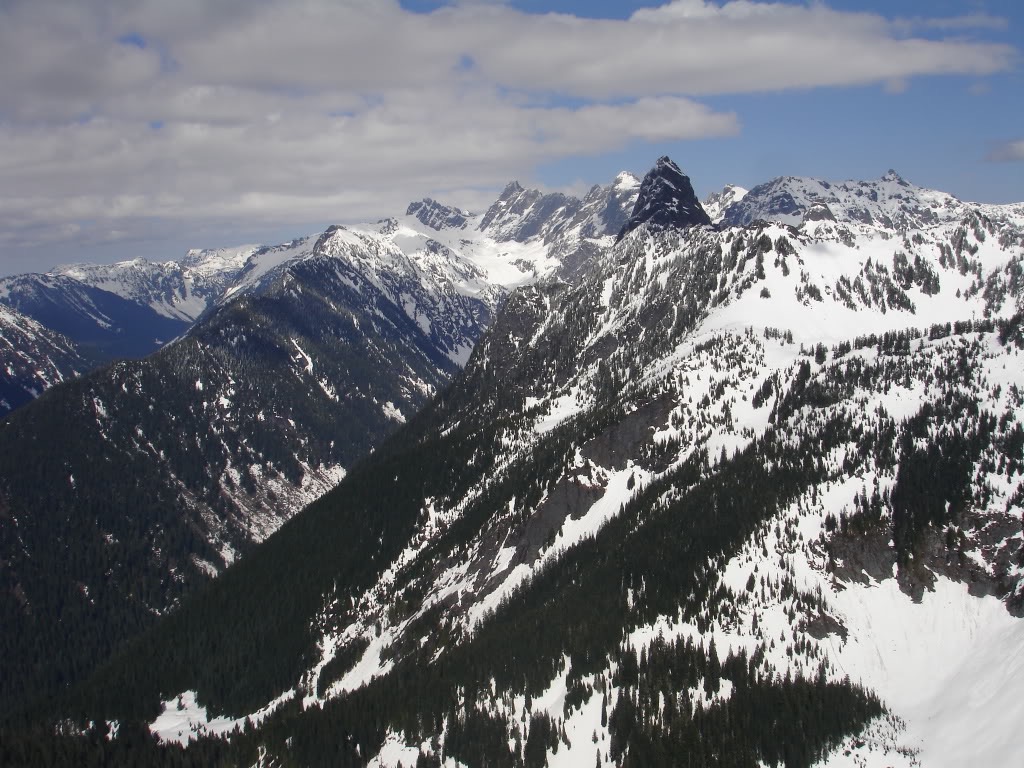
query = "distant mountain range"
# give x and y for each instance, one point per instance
(160, 472)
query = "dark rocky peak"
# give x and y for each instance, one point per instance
(594, 195)
(103, 324)
(666, 200)
(819, 212)
(437, 215)
(512, 189)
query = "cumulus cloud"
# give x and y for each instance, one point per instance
(119, 117)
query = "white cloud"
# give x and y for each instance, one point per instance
(686, 47)
(1008, 152)
(308, 166)
(115, 114)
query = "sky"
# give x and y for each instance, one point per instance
(142, 128)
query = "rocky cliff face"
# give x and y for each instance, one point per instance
(436, 215)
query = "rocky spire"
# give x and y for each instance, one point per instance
(666, 200)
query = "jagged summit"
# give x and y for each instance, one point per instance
(626, 180)
(436, 215)
(520, 214)
(666, 200)
(892, 175)
(512, 188)
(607, 209)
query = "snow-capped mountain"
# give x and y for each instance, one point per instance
(747, 494)
(32, 359)
(890, 203)
(437, 215)
(102, 325)
(525, 234)
(132, 308)
(522, 214)
(181, 290)
(315, 351)
(716, 203)
(176, 464)
(605, 210)
(124, 310)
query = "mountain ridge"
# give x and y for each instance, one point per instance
(658, 507)
(318, 349)
(638, 471)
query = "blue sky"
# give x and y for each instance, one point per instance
(936, 131)
(142, 128)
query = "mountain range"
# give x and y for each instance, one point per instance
(158, 473)
(626, 480)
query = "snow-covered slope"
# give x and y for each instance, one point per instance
(835, 335)
(314, 351)
(131, 308)
(716, 203)
(102, 324)
(179, 290)
(606, 210)
(209, 445)
(128, 309)
(522, 214)
(888, 204)
(124, 310)
(789, 457)
(737, 494)
(32, 359)
(525, 235)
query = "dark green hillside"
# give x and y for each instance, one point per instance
(670, 536)
(121, 491)
(251, 634)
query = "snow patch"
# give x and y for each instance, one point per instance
(392, 412)
(184, 719)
